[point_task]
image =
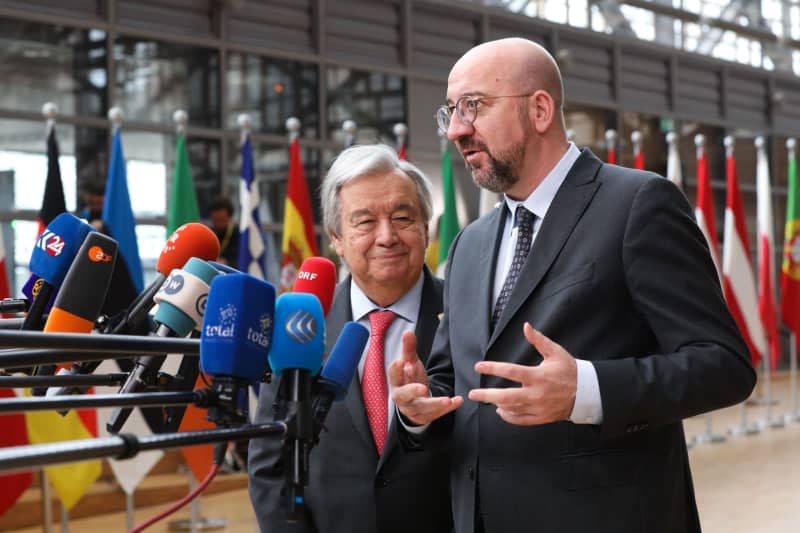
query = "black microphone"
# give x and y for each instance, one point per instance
(83, 292)
(182, 300)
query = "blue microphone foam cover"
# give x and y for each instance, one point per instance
(298, 340)
(343, 360)
(57, 247)
(237, 327)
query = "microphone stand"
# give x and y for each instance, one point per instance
(201, 398)
(92, 380)
(124, 446)
(295, 389)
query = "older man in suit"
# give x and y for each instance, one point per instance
(575, 425)
(376, 210)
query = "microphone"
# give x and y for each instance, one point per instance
(317, 276)
(338, 372)
(52, 256)
(298, 343)
(182, 300)
(235, 337)
(82, 293)
(190, 240)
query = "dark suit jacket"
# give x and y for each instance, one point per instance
(619, 274)
(351, 489)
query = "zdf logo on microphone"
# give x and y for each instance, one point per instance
(98, 255)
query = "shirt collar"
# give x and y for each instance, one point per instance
(542, 196)
(406, 307)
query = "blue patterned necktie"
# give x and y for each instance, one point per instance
(524, 220)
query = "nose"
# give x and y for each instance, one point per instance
(458, 128)
(385, 234)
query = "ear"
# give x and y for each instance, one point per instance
(543, 111)
(336, 242)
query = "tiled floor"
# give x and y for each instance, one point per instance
(746, 484)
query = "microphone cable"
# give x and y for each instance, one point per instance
(219, 456)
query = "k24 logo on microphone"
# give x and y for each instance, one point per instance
(51, 243)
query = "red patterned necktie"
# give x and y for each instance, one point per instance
(374, 389)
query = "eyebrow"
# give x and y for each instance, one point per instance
(365, 211)
(472, 93)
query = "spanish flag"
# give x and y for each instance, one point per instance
(298, 226)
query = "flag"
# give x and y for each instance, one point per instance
(128, 472)
(611, 157)
(704, 210)
(737, 272)
(448, 225)
(118, 214)
(766, 244)
(183, 200)
(53, 203)
(252, 252)
(298, 242)
(5, 292)
(638, 158)
(401, 153)
(70, 481)
(790, 269)
(198, 458)
(12, 433)
(674, 173)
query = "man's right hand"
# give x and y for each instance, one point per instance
(410, 391)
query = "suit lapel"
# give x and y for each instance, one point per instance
(563, 214)
(340, 313)
(492, 235)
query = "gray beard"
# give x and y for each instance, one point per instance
(499, 175)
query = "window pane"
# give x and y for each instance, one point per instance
(376, 102)
(44, 63)
(155, 79)
(271, 91)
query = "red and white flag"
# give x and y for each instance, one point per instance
(704, 210)
(766, 254)
(611, 147)
(638, 153)
(739, 283)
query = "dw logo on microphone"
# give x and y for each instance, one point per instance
(301, 326)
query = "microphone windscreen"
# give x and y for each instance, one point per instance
(317, 276)
(57, 246)
(298, 340)
(183, 295)
(190, 240)
(85, 286)
(237, 327)
(343, 360)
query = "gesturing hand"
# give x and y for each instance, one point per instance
(547, 391)
(410, 387)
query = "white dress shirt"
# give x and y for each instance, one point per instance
(588, 408)
(407, 311)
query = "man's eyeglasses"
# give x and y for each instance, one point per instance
(467, 109)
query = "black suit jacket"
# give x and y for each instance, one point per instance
(619, 274)
(351, 489)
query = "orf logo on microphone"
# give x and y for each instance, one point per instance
(301, 326)
(307, 276)
(98, 255)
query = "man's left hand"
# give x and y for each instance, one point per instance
(547, 391)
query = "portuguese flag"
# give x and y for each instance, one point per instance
(790, 272)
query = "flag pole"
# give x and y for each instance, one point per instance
(611, 147)
(116, 116)
(400, 131)
(50, 112)
(570, 135)
(674, 173)
(636, 141)
(180, 118)
(350, 129)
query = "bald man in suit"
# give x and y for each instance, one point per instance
(575, 425)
